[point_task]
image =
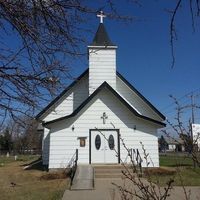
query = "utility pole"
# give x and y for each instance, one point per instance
(192, 122)
(192, 104)
(192, 107)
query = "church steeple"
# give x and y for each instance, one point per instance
(101, 37)
(102, 59)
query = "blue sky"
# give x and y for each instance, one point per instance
(143, 55)
(144, 59)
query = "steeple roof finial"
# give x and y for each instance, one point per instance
(101, 15)
(101, 37)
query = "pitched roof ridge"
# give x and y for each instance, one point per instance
(114, 92)
(128, 102)
(141, 96)
(56, 99)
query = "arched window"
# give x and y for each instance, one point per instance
(98, 142)
(111, 142)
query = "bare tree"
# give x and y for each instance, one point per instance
(24, 137)
(138, 187)
(38, 38)
(184, 130)
(192, 7)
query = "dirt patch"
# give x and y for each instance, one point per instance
(55, 175)
(17, 183)
(159, 171)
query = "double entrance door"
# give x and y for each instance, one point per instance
(104, 147)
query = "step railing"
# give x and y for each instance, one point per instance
(135, 157)
(73, 165)
(139, 160)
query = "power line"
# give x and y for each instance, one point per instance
(172, 110)
(182, 97)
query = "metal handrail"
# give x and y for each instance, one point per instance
(135, 156)
(139, 160)
(73, 165)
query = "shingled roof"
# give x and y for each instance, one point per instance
(101, 37)
(80, 77)
(100, 88)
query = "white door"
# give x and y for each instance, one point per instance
(104, 146)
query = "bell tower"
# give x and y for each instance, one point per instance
(102, 59)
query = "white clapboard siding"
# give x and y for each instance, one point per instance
(45, 146)
(70, 101)
(135, 100)
(102, 67)
(64, 140)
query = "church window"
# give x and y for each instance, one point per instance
(111, 142)
(98, 142)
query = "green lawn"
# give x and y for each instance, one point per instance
(173, 161)
(30, 184)
(178, 168)
(25, 158)
(184, 176)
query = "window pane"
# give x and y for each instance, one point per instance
(98, 142)
(111, 142)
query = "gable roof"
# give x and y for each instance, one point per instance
(105, 85)
(141, 96)
(61, 94)
(80, 77)
(101, 37)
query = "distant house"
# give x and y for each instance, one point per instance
(170, 144)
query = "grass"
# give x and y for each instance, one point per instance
(174, 161)
(30, 184)
(25, 158)
(184, 176)
(178, 168)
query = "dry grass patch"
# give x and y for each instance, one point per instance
(160, 171)
(19, 184)
(55, 175)
(182, 176)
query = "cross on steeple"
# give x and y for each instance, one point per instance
(101, 16)
(104, 117)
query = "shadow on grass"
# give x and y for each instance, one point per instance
(179, 165)
(35, 165)
(159, 171)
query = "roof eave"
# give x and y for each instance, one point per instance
(38, 116)
(102, 47)
(141, 96)
(105, 85)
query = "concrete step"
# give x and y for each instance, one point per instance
(108, 175)
(109, 171)
(105, 171)
(112, 167)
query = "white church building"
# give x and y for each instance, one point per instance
(98, 111)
